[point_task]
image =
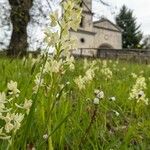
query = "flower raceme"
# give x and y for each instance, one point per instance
(54, 67)
(10, 113)
(106, 71)
(57, 36)
(12, 87)
(137, 91)
(60, 38)
(89, 75)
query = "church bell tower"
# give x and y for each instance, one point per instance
(87, 15)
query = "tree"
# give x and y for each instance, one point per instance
(132, 35)
(20, 18)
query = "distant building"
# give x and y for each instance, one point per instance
(101, 34)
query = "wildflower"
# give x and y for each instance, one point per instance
(12, 87)
(104, 62)
(80, 82)
(114, 66)
(17, 120)
(45, 136)
(134, 75)
(96, 101)
(110, 61)
(100, 95)
(106, 72)
(89, 75)
(27, 105)
(70, 62)
(141, 72)
(140, 94)
(2, 98)
(47, 67)
(137, 91)
(96, 91)
(13, 121)
(51, 37)
(54, 18)
(56, 66)
(112, 98)
(4, 137)
(117, 62)
(8, 127)
(124, 69)
(39, 81)
(116, 113)
(34, 61)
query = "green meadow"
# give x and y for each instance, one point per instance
(113, 121)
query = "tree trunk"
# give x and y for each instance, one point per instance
(19, 18)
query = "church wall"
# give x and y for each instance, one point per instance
(87, 22)
(84, 40)
(106, 24)
(107, 37)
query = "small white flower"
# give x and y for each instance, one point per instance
(96, 101)
(45, 136)
(56, 66)
(140, 94)
(110, 61)
(124, 69)
(17, 120)
(12, 86)
(9, 127)
(2, 97)
(80, 82)
(27, 104)
(107, 73)
(96, 91)
(141, 72)
(134, 75)
(100, 95)
(116, 113)
(112, 98)
(67, 83)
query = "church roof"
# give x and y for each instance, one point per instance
(106, 20)
(83, 1)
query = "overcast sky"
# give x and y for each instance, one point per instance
(141, 10)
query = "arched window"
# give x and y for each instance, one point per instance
(102, 48)
(105, 46)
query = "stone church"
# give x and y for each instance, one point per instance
(102, 34)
